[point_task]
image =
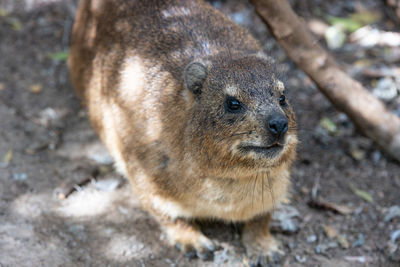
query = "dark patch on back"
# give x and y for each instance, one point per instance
(164, 162)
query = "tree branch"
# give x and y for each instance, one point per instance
(367, 112)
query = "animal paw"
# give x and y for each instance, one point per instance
(189, 240)
(261, 247)
(268, 253)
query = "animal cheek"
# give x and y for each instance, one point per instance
(213, 124)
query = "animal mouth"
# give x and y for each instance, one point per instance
(266, 151)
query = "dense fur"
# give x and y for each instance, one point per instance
(155, 76)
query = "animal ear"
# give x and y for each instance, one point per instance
(195, 75)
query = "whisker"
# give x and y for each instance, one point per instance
(248, 132)
(235, 134)
(246, 189)
(271, 192)
(254, 188)
(262, 191)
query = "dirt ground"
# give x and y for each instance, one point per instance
(345, 189)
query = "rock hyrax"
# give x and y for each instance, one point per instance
(191, 110)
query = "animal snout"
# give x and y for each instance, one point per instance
(278, 125)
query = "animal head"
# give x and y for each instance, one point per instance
(243, 121)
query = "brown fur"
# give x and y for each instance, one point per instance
(164, 120)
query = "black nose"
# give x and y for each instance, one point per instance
(278, 124)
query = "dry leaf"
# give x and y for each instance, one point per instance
(15, 23)
(3, 12)
(8, 157)
(35, 89)
(330, 231)
(328, 125)
(357, 153)
(343, 241)
(362, 194)
(324, 205)
(361, 259)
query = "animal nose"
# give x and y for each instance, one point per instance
(278, 124)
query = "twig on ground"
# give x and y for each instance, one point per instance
(67, 191)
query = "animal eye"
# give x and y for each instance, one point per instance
(233, 105)
(282, 100)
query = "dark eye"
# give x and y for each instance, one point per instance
(233, 105)
(282, 100)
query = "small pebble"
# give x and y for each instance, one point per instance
(357, 153)
(360, 259)
(20, 176)
(394, 235)
(109, 231)
(99, 153)
(107, 185)
(221, 257)
(376, 156)
(393, 212)
(292, 244)
(335, 37)
(386, 89)
(239, 18)
(322, 248)
(359, 242)
(343, 241)
(123, 210)
(76, 228)
(321, 135)
(311, 239)
(35, 89)
(286, 219)
(301, 259)
(50, 117)
(393, 252)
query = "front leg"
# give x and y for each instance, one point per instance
(188, 238)
(261, 247)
